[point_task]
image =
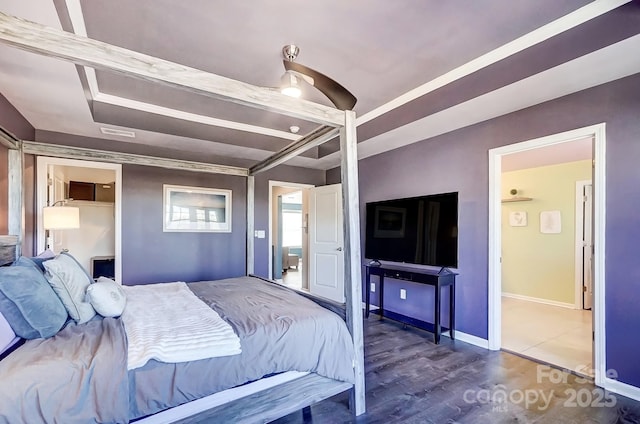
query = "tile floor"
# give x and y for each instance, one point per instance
(552, 334)
(293, 277)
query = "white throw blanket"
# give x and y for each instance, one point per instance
(167, 322)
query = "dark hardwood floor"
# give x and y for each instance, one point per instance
(409, 379)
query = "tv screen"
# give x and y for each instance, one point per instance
(417, 230)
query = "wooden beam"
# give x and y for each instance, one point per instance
(52, 42)
(315, 138)
(8, 140)
(15, 211)
(46, 149)
(250, 224)
(352, 257)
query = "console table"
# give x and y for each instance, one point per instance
(437, 279)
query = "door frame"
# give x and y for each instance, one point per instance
(272, 184)
(42, 164)
(579, 265)
(598, 133)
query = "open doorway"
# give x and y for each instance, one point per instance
(546, 249)
(288, 233)
(94, 189)
(550, 223)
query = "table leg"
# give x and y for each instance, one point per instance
(381, 300)
(436, 320)
(367, 291)
(452, 309)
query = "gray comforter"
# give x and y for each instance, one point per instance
(80, 374)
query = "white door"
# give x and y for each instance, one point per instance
(326, 255)
(587, 249)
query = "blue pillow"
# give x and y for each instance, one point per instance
(33, 261)
(28, 303)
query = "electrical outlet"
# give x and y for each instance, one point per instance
(373, 287)
(403, 294)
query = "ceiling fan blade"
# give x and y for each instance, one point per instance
(339, 96)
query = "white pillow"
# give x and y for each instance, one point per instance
(70, 281)
(103, 279)
(107, 298)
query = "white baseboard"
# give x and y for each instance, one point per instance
(621, 388)
(539, 300)
(463, 337)
(468, 338)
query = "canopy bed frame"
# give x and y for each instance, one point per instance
(288, 397)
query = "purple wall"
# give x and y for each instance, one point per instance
(458, 161)
(151, 255)
(13, 122)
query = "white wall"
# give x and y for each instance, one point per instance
(96, 235)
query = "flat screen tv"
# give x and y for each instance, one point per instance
(418, 230)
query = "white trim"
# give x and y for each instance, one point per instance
(208, 402)
(42, 162)
(598, 132)
(579, 266)
(565, 23)
(494, 251)
(74, 8)
(469, 338)
(189, 116)
(599, 242)
(272, 184)
(621, 388)
(539, 300)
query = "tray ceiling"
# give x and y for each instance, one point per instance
(418, 69)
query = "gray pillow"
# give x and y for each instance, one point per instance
(29, 304)
(70, 281)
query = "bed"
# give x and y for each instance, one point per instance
(82, 375)
(271, 396)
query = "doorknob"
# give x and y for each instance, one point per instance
(339, 249)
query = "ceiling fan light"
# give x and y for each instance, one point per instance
(290, 86)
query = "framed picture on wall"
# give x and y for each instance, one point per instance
(550, 222)
(518, 219)
(196, 209)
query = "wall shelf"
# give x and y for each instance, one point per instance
(516, 199)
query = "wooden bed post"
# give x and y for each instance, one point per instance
(250, 223)
(352, 257)
(14, 186)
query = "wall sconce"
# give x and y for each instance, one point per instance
(59, 218)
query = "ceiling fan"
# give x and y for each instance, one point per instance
(339, 96)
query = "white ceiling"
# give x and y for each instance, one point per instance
(389, 55)
(570, 151)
